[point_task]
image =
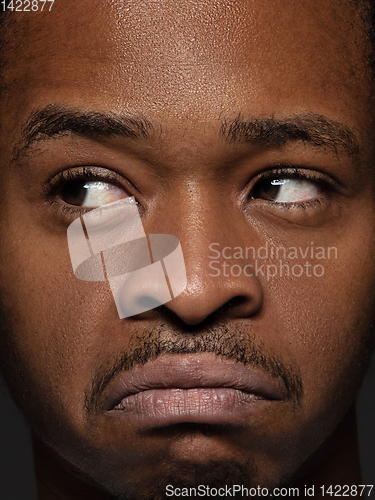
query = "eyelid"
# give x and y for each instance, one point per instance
(68, 213)
(294, 172)
(84, 173)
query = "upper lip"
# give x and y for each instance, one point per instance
(193, 371)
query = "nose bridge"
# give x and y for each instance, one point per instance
(202, 223)
(199, 216)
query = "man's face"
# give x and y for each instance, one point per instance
(257, 132)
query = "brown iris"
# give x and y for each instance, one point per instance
(268, 190)
(74, 193)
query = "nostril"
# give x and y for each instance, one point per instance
(147, 302)
(235, 302)
(240, 298)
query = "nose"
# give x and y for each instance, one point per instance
(206, 220)
(216, 284)
(205, 295)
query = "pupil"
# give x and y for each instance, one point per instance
(74, 193)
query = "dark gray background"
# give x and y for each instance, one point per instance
(16, 468)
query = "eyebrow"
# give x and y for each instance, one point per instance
(310, 128)
(314, 129)
(56, 120)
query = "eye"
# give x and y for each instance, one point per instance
(91, 193)
(287, 190)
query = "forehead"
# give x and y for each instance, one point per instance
(190, 58)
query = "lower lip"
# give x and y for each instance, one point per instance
(218, 405)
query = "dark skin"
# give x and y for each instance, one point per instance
(185, 70)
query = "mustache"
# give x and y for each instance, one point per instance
(227, 342)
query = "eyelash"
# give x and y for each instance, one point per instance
(292, 172)
(87, 173)
(84, 173)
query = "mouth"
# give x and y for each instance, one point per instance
(196, 388)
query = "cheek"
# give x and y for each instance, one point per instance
(54, 325)
(326, 324)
